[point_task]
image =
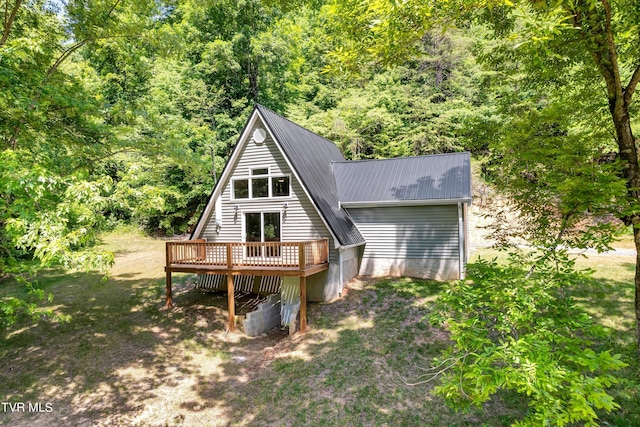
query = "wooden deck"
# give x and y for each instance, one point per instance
(256, 258)
(298, 259)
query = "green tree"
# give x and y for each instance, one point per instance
(424, 105)
(564, 154)
(52, 133)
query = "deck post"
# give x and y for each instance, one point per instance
(169, 302)
(303, 304)
(231, 303)
(302, 261)
(326, 250)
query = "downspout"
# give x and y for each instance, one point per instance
(340, 251)
(460, 242)
(465, 212)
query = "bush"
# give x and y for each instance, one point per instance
(515, 329)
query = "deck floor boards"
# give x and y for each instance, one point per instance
(253, 270)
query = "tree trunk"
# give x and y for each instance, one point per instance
(636, 239)
(595, 26)
(252, 71)
(629, 155)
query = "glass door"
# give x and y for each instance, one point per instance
(271, 232)
(263, 227)
(253, 226)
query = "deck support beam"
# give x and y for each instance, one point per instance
(201, 257)
(231, 303)
(303, 304)
(169, 302)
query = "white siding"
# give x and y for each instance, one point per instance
(409, 232)
(300, 221)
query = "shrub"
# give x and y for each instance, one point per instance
(515, 329)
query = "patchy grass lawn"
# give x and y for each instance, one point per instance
(122, 360)
(625, 241)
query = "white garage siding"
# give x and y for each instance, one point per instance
(418, 241)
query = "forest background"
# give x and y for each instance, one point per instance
(124, 112)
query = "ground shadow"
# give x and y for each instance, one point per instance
(122, 360)
(352, 368)
(118, 350)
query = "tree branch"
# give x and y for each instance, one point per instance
(64, 56)
(580, 22)
(436, 371)
(631, 87)
(8, 23)
(79, 44)
(113, 7)
(14, 137)
(113, 153)
(611, 47)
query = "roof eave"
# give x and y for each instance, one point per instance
(389, 203)
(355, 245)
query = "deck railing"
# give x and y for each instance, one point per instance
(230, 255)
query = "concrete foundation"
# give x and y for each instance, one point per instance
(326, 286)
(264, 318)
(434, 269)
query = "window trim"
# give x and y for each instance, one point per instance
(270, 177)
(259, 175)
(262, 213)
(233, 189)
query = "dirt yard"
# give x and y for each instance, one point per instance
(121, 359)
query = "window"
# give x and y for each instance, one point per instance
(260, 187)
(260, 171)
(241, 189)
(271, 232)
(261, 184)
(280, 186)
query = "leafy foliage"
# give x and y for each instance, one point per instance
(14, 309)
(427, 104)
(52, 132)
(566, 75)
(514, 328)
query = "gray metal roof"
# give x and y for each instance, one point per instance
(311, 156)
(435, 177)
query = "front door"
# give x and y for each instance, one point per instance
(262, 227)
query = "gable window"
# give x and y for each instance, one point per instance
(259, 187)
(260, 171)
(241, 189)
(261, 184)
(280, 186)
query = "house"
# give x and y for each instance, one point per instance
(289, 206)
